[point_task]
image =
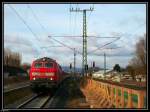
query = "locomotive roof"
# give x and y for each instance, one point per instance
(44, 59)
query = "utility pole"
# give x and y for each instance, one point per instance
(84, 53)
(74, 62)
(104, 63)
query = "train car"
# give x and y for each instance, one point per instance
(45, 73)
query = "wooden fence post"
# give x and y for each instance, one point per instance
(116, 97)
(140, 99)
(122, 97)
(112, 94)
(130, 98)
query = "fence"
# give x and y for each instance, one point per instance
(119, 96)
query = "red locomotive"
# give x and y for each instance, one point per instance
(46, 73)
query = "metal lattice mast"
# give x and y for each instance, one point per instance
(84, 53)
(84, 60)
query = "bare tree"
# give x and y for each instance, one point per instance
(138, 62)
(131, 71)
(11, 58)
(141, 51)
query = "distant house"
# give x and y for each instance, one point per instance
(114, 76)
(99, 74)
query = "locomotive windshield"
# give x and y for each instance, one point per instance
(38, 65)
(43, 64)
(48, 65)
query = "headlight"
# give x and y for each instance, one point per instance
(35, 73)
(49, 74)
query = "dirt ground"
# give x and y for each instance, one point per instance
(70, 96)
(76, 98)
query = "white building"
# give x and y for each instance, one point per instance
(100, 74)
(140, 78)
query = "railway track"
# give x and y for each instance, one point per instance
(53, 99)
(37, 101)
(43, 100)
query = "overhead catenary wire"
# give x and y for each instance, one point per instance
(56, 39)
(104, 51)
(113, 55)
(75, 23)
(133, 32)
(25, 23)
(42, 26)
(35, 16)
(103, 45)
(65, 45)
(70, 20)
(34, 34)
(90, 15)
(45, 29)
(51, 46)
(81, 36)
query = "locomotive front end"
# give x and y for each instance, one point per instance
(43, 75)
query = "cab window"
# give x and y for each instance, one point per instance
(48, 65)
(37, 65)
